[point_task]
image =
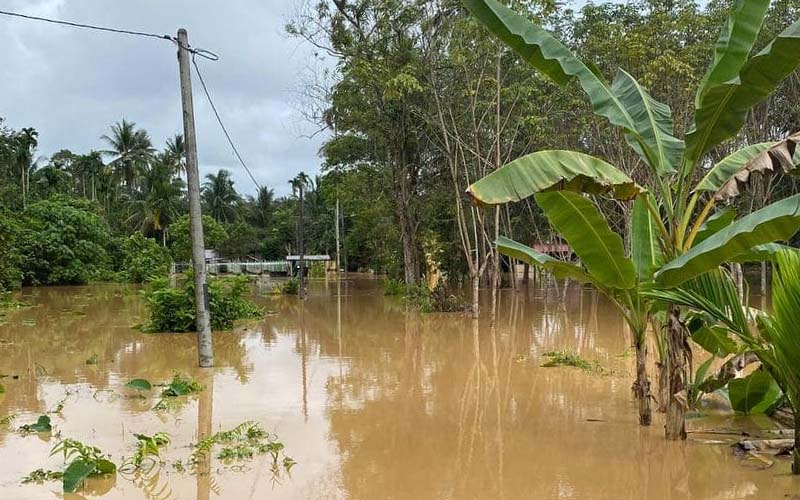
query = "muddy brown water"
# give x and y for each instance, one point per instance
(372, 401)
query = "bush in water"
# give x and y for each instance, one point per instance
(172, 309)
(144, 259)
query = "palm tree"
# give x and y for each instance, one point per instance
(220, 197)
(157, 201)
(263, 206)
(26, 142)
(90, 166)
(175, 152)
(131, 150)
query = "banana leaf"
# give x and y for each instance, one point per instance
(723, 108)
(653, 123)
(718, 220)
(647, 123)
(776, 222)
(729, 176)
(558, 268)
(553, 170)
(645, 249)
(600, 249)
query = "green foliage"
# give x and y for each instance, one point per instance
(144, 259)
(316, 270)
(139, 384)
(83, 461)
(148, 451)
(42, 424)
(40, 476)
(290, 287)
(566, 358)
(214, 235)
(181, 386)
(63, 242)
(172, 309)
(755, 393)
(393, 287)
(10, 259)
(437, 301)
(242, 443)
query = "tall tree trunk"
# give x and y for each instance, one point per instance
(476, 286)
(526, 272)
(641, 387)
(675, 427)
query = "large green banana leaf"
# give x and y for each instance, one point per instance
(559, 268)
(723, 108)
(649, 133)
(776, 222)
(734, 44)
(553, 170)
(720, 219)
(600, 249)
(645, 249)
(653, 123)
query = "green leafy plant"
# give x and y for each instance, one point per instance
(139, 384)
(148, 451)
(181, 386)
(671, 242)
(242, 443)
(172, 309)
(40, 476)
(83, 461)
(42, 424)
(291, 287)
(393, 287)
(143, 259)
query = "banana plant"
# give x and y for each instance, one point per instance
(771, 335)
(676, 233)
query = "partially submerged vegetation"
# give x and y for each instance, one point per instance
(172, 308)
(426, 300)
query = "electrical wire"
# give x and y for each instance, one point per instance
(221, 124)
(207, 54)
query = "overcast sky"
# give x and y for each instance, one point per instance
(72, 84)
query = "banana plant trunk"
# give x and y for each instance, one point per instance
(796, 451)
(641, 387)
(675, 428)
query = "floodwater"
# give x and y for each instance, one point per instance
(371, 400)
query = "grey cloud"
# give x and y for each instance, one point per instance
(72, 84)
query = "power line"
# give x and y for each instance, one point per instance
(201, 52)
(222, 125)
(207, 54)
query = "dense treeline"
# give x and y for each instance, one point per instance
(421, 103)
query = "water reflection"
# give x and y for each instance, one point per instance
(373, 400)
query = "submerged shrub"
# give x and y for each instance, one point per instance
(393, 287)
(438, 300)
(143, 259)
(172, 309)
(291, 287)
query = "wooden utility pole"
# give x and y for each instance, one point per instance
(337, 236)
(301, 244)
(203, 322)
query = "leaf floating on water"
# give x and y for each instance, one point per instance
(41, 425)
(139, 384)
(76, 474)
(92, 360)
